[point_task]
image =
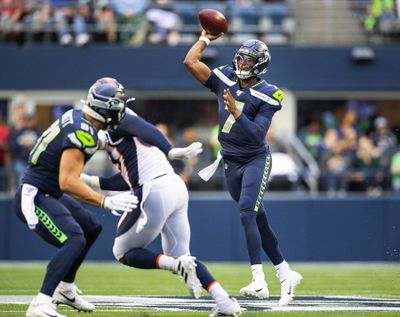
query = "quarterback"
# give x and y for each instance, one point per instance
(246, 105)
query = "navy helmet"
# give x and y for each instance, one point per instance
(106, 102)
(251, 59)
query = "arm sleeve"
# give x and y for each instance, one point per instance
(256, 131)
(115, 182)
(136, 126)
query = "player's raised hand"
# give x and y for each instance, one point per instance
(188, 152)
(230, 103)
(126, 201)
(210, 36)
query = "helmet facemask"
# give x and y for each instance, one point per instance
(251, 59)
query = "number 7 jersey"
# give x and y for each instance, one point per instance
(245, 136)
(72, 130)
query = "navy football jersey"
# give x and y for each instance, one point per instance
(245, 136)
(72, 130)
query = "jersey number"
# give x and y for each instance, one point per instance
(44, 141)
(231, 120)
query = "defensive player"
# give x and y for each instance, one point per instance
(41, 201)
(246, 105)
(163, 199)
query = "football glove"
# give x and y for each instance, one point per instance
(92, 181)
(126, 201)
(187, 152)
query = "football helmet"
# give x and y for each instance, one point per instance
(251, 59)
(106, 102)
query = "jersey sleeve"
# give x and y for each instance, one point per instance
(82, 136)
(115, 182)
(218, 77)
(133, 125)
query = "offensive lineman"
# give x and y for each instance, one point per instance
(163, 201)
(41, 201)
(246, 105)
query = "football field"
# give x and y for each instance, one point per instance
(334, 289)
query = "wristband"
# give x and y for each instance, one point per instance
(102, 202)
(205, 40)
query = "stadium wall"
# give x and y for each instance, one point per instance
(44, 67)
(349, 229)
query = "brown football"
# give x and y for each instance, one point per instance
(213, 21)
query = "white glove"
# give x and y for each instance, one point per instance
(187, 152)
(92, 181)
(126, 201)
(101, 140)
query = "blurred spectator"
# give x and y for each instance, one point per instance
(311, 137)
(4, 158)
(71, 15)
(377, 11)
(384, 140)
(12, 13)
(105, 20)
(37, 22)
(132, 25)
(22, 138)
(395, 171)
(334, 164)
(366, 174)
(284, 173)
(163, 23)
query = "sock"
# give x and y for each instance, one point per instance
(65, 285)
(204, 276)
(166, 262)
(43, 298)
(217, 292)
(282, 270)
(257, 272)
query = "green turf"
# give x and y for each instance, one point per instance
(370, 280)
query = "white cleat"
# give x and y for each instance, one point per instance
(288, 286)
(186, 270)
(228, 307)
(258, 289)
(38, 309)
(71, 297)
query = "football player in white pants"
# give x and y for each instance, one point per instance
(163, 204)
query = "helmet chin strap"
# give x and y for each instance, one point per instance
(86, 109)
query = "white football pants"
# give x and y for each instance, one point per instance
(163, 210)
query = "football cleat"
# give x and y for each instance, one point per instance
(70, 296)
(228, 307)
(288, 286)
(186, 270)
(42, 309)
(258, 289)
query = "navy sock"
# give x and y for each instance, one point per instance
(62, 262)
(253, 238)
(269, 240)
(140, 258)
(204, 276)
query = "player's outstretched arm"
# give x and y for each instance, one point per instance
(186, 153)
(192, 62)
(71, 167)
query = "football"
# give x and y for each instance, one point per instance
(213, 21)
